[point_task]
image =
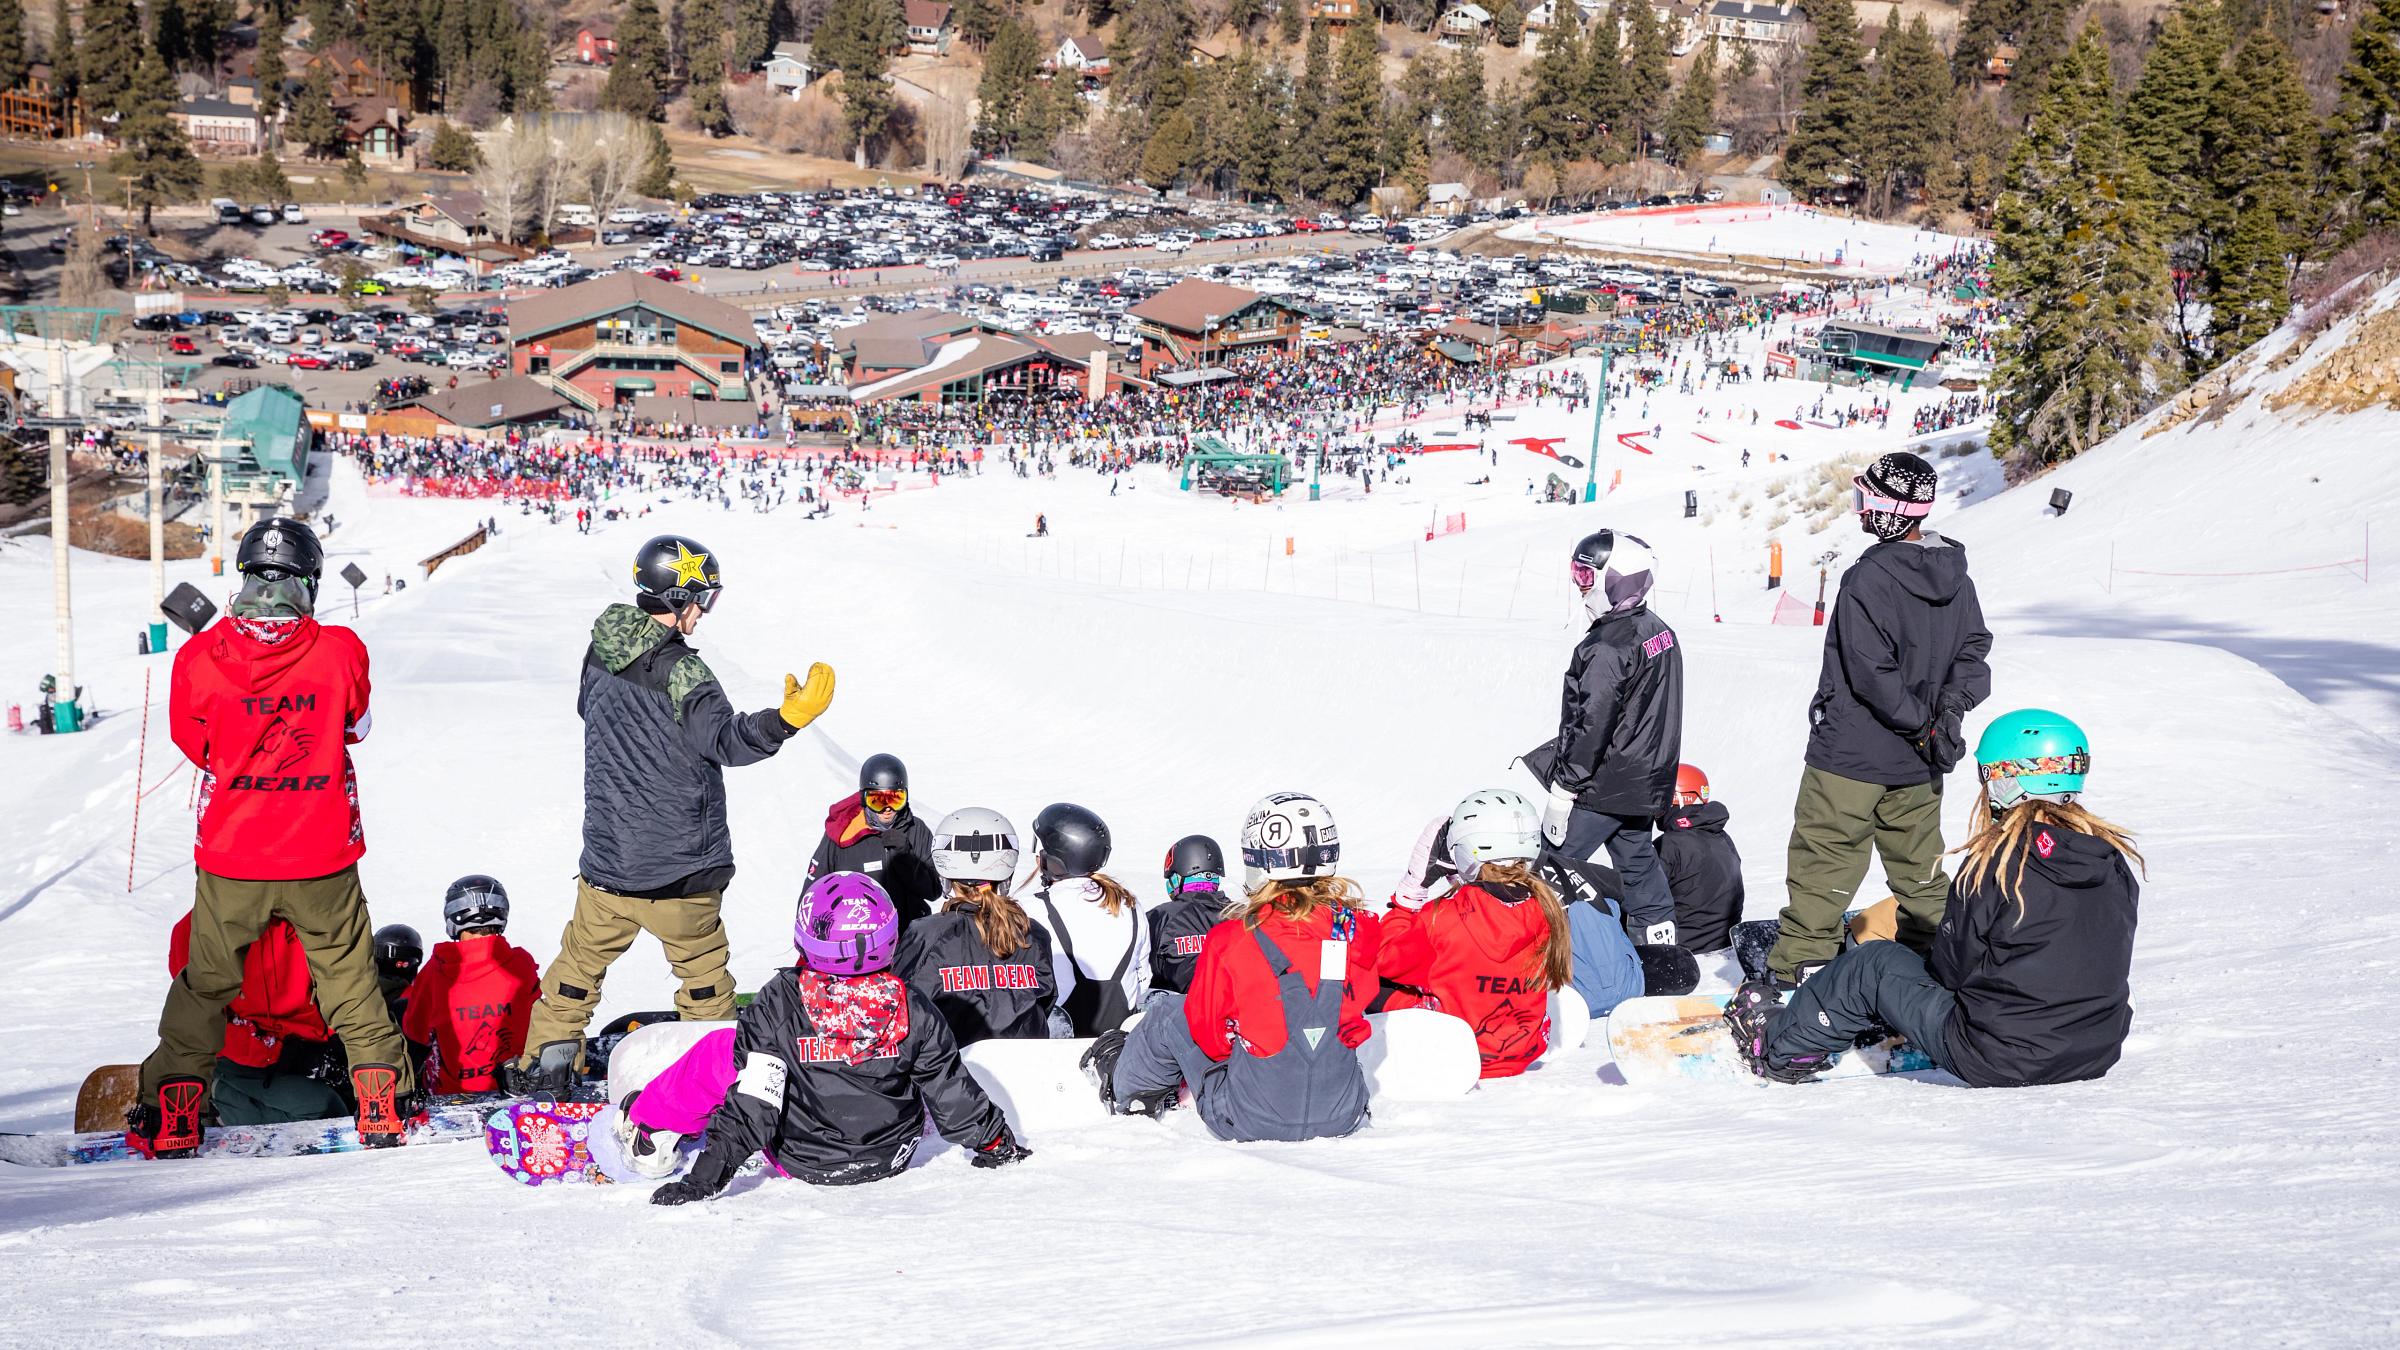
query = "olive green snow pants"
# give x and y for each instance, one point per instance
(603, 925)
(330, 915)
(1835, 822)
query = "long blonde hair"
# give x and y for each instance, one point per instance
(1114, 898)
(1295, 899)
(1000, 921)
(1557, 956)
(1996, 847)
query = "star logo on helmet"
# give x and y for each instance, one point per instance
(689, 566)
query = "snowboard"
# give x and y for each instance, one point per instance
(1667, 969)
(106, 1095)
(542, 1142)
(1038, 1085)
(1661, 1039)
(597, 1049)
(448, 1121)
(1419, 1055)
(646, 1051)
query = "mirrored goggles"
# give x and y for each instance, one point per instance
(882, 800)
(1586, 576)
(1282, 859)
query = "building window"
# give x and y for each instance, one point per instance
(666, 331)
(537, 365)
(729, 367)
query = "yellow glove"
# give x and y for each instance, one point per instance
(804, 703)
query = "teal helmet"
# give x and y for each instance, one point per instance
(2032, 753)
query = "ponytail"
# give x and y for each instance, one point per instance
(1557, 957)
(1295, 899)
(1114, 898)
(999, 920)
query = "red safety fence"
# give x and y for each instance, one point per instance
(540, 488)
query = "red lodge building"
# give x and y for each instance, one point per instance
(617, 338)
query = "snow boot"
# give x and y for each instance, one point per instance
(548, 1074)
(1749, 1014)
(169, 1126)
(1100, 1065)
(1800, 976)
(384, 1115)
(649, 1152)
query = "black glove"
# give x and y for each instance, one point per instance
(705, 1181)
(1943, 741)
(1003, 1150)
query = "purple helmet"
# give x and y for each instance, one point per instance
(847, 925)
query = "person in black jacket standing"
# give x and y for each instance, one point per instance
(658, 734)
(874, 831)
(2027, 983)
(1904, 661)
(1611, 768)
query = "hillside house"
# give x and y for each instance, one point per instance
(789, 67)
(596, 43)
(928, 24)
(355, 77)
(1767, 25)
(38, 110)
(1081, 55)
(1464, 23)
(1339, 13)
(218, 126)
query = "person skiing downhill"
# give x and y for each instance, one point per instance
(831, 1071)
(267, 703)
(876, 831)
(1267, 1040)
(1195, 875)
(1099, 938)
(658, 734)
(1490, 951)
(982, 961)
(2027, 980)
(1611, 768)
(1904, 661)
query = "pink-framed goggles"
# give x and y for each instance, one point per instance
(1864, 498)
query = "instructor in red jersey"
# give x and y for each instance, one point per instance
(267, 703)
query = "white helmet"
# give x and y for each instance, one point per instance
(975, 843)
(1289, 836)
(1494, 825)
(1614, 570)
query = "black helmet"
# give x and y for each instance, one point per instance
(883, 773)
(1195, 857)
(1073, 841)
(672, 571)
(398, 953)
(474, 901)
(281, 547)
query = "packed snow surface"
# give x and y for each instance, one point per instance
(1164, 659)
(1789, 234)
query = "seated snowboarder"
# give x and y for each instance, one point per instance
(278, 1062)
(1704, 869)
(982, 962)
(873, 831)
(2027, 983)
(476, 995)
(1195, 876)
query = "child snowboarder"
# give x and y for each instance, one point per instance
(830, 1071)
(1704, 869)
(1099, 938)
(476, 996)
(1267, 1039)
(1606, 967)
(278, 1061)
(2027, 983)
(399, 957)
(981, 962)
(1491, 951)
(873, 831)
(1195, 873)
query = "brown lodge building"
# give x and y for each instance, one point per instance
(611, 340)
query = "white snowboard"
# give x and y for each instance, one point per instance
(646, 1052)
(1570, 1023)
(1419, 1055)
(1038, 1085)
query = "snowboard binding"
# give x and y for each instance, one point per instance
(384, 1114)
(1100, 1065)
(1750, 1013)
(169, 1126)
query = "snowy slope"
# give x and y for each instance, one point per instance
(2229, 1182)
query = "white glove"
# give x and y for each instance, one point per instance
(1554, 816)
(1659, 934)
(1412, 885)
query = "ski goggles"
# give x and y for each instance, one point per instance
(968, 843)
(1864, 498)
(1310, 857)
(1586, 576)
(884, 800)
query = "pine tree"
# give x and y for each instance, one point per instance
(1836, 103)
(2076, 245)
(268, 69)
(2362, 148)
(1466, 112)
(756, 26)
(1693, 115)
(658, 167)
(1011, 70)
(1908, 129)
(109, 57)
(168, 35)
(1556, 112)
(1304, 169)
(155, 162)
(1151, 56)
(65, 67)
(2262, 142)
(2250, 289)
(1508, 23)
(704, 63)
(636, 80)
(1607, 102)
(1268, 111)
(1169, 149)
(13, 58)
(314, 123)
(1350, 133)
(2166, 115)
(388, 33)
(453, 150)
(1646, 78)
(856, 37)
(1287, 20)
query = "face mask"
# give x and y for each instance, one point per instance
(273, 597)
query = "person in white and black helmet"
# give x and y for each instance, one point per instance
(1099, 936)
(982, 961)
(1611, 768)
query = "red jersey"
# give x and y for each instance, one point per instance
(270, 726)
(1234, 993)
(471, 1003)
(1480, 957)
(276, 998)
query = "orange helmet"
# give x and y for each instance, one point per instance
(1691, 785)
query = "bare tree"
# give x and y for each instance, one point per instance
(511, 179)
(610, 159)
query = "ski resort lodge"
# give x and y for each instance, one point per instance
(615, 339)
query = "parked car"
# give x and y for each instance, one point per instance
(236, 360)
(183, 346)
(293, 215)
